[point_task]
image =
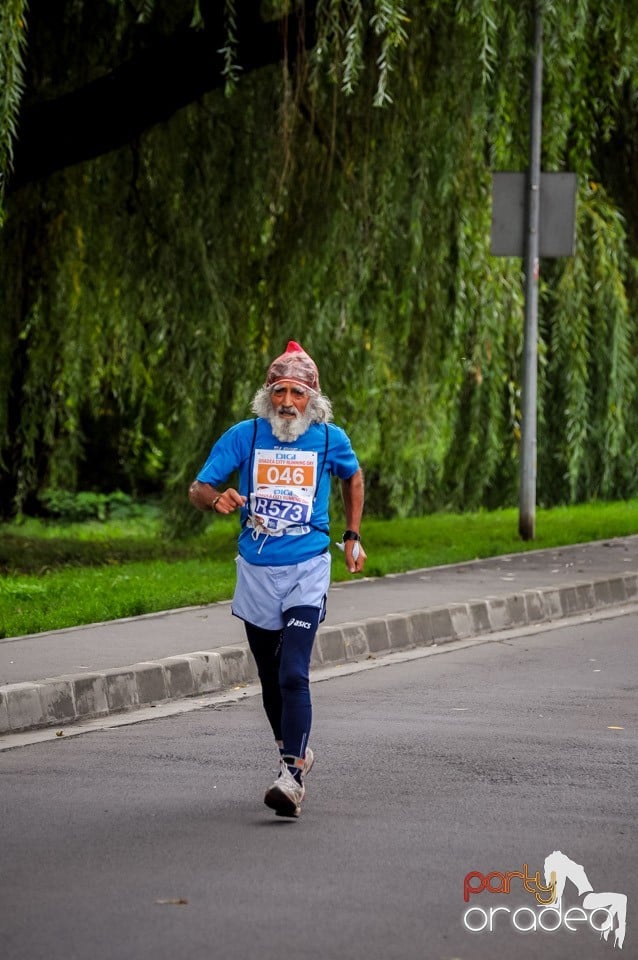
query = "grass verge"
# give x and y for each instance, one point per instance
(62, 576)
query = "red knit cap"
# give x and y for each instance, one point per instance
(294, 365)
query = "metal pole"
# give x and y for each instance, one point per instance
(527, 497)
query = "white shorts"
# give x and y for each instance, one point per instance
(264, 594)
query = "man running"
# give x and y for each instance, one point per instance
(285, 458)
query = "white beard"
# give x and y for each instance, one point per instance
(288, 430)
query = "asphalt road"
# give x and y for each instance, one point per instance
(480, 759)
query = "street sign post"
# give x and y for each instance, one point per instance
(557, 215)
(533, 216)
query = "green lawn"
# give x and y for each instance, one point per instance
(63, 575)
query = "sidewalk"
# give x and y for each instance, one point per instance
(92, 671)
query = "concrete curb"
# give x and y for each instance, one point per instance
(63, 700)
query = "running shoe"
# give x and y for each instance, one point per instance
(286, 794)
(309, 759)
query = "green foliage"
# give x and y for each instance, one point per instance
(147, 290)
(68, 507)
(12, 47)
(591, 362)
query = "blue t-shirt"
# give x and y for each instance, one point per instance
(287, 485)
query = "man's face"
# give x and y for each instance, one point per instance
(291, 409)
(289, 400)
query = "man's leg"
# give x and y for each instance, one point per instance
(297, 638)
(265, 646)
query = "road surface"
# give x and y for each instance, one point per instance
(151, 840)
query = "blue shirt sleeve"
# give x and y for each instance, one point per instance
(228, 454)
(341, 457)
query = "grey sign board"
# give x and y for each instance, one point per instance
(557, 226)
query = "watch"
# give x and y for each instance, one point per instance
(351, 535)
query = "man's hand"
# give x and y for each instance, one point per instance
(352, 491)
(205, 497)
(229, 501)
(354, 566)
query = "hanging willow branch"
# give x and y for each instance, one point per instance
(231, 69)
(353, 56)
(12, 49)
(388, 22)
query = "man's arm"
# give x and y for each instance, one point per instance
(203, 496)
(352, 491)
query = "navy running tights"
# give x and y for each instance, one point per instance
(283, 664)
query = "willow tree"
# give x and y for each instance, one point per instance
(329, 182)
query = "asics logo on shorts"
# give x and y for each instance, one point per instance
(298, 623)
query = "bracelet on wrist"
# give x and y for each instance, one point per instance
(351, 535)
(215, 502)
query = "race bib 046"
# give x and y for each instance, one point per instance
(284, 488)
